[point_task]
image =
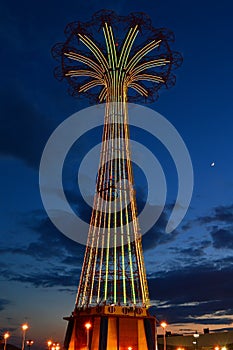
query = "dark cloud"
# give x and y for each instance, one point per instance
(188, 295)
(224, 261)
(193, 251)
(68, 290)
(222, 214)
(46, 275)
(222, 238)
(54, 277)
(24, 130)
(51, 242)
(3, 303)
(187, 226)
(157, 235)
(219, 225)
(223, 329)
(60, 259)
(52, 269)
(200, 283)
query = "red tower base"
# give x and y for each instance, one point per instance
(111, 328)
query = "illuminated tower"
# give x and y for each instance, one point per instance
(134, 61)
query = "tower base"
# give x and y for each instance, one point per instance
(111, 328)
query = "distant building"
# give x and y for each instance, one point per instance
(206, 341)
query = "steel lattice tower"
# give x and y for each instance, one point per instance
(135, 61)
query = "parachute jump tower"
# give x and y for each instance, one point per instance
(114, 59)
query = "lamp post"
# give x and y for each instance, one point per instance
(88, 326)
(196, 336)
(29, 343)
(49, 343)
(24, 329)
(55, 346)
(164, 325)
(6, 336)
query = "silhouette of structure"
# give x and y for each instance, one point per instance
(114, 59)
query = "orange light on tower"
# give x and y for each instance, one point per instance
(163, 324)
(88, 326)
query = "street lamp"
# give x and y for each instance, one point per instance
(164, 325)
(29, 343)
(24, 329)
(49, 343)
(88, 326)
(6, 336)
(55, 346)
(196, 336)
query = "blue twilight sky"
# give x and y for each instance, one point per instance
(189, 271)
